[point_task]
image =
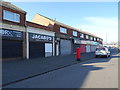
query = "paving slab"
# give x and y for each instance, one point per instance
(21, 69)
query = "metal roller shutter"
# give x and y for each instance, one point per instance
(93, 48)
(37, 49)
(88, 48)
(65, 47)
(83, 48)
(11, 49)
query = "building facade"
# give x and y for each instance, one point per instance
(12, 31)
(42, 37)
(67, 38)
(40, 41)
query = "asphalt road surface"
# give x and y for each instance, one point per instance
(95, 73)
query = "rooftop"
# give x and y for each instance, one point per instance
(11, 6)
(62, 24)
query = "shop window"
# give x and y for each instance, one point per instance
(74, 33)
(11, 16)
(63, 30)
(82, 35)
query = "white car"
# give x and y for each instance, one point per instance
(102, 51)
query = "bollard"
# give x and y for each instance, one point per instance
(78, 56)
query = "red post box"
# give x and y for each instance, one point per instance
(78, 56)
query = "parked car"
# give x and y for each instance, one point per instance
(102, 51)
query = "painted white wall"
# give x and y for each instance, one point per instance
(53, 46)
(12, 27)
(57, 49)
(27, 42)
(40, 31)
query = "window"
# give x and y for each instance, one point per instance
(94, 39)
(87, 37)
(63, 30)
(74, 33)
(97, 39)
(91, 38)
(101, 40)
(11, 16)
(82, 35)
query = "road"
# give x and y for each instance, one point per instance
(95, 73)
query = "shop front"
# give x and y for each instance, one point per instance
(88, 46)
(12, 44)
(65, 47)
(76, 44)
(93, 46)
(40, 45)
(63, 44)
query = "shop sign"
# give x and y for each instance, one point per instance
(77, 41)
(94, 43)
(11, 34)
(40, 37)
(85, 42)
(58, 39)
(63, 36)
(89, 42)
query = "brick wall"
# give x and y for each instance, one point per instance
(22, 16)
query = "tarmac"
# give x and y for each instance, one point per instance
(18, 70)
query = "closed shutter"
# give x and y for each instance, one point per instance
(83, 48)
(37, 49)
(65, 47)
(87, 48)
(93, 48)
(11, 49)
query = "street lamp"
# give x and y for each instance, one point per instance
(106, 38)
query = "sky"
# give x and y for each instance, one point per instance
(99, 18)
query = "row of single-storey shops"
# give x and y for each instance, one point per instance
(29, 43)
(36, 42)
(24, 39)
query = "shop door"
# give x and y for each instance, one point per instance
(75, 46)
(48, 49)
(37, 49)
(65, 47)
(11, 49)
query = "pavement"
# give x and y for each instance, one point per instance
(98, 73)
(14, 71)
(18, 70)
